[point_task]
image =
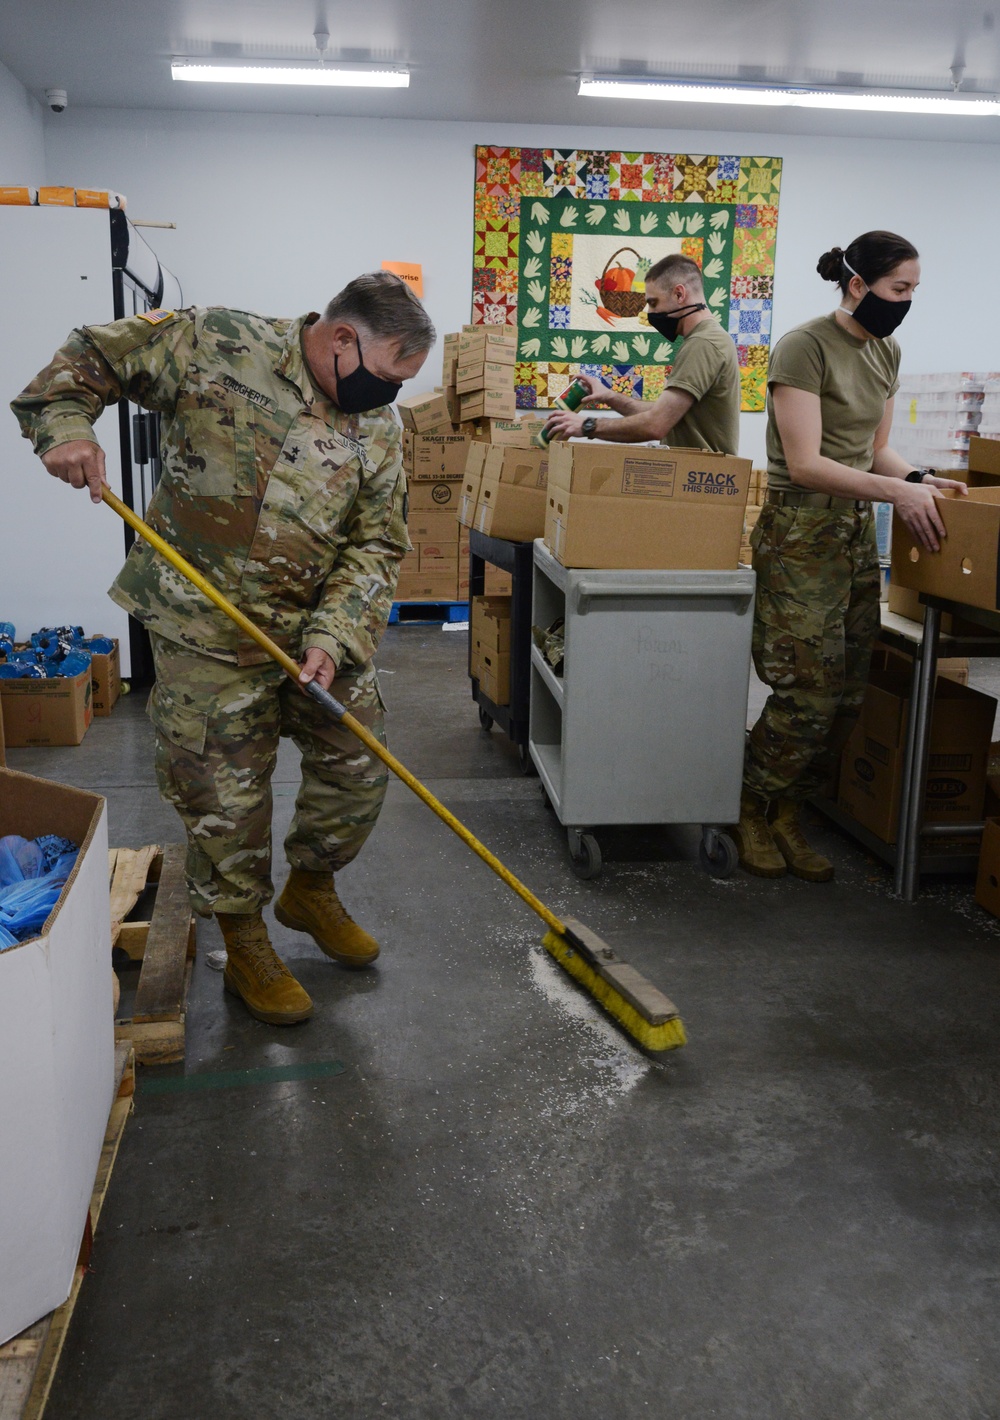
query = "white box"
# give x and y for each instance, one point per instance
(56, 1057)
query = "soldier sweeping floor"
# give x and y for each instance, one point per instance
(282, 480)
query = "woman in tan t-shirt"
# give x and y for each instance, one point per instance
(831, 384)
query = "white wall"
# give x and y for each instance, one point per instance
(22, 135)
(275, 213)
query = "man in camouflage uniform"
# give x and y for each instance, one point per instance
(282, 483)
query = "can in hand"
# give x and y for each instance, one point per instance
(570, 400)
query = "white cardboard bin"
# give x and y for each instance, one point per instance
(56, 1057)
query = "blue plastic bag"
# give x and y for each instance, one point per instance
(32, 875)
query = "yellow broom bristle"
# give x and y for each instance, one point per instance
(667, 1036)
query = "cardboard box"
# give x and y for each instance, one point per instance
(435, 458)
(56, 1057)
(984, 463)
(493, 674)
(472, 483)
(439, 557)
(3, 747)
(18, 196)
(426, 587)
(424, 413)
(872, 765)
(454, 403)
(437, 526)
(57, 197)
(515, 433)
(476, 374)
(47, 712)
(988, 876)
(967, 566)
(488, 404)
(497, 582)
(512, 497)
(614, 506)
(489, 624)
(485, 342)
(105, 681)
(434, 497)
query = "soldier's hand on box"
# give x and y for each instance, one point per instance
(934, 482)
(80, 463)
(917, 505)
(318, 666)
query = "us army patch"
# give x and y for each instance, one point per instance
(154, 317)
(262, 401)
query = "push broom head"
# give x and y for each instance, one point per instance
(650, 1018)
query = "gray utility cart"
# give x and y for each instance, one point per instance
(647, 722)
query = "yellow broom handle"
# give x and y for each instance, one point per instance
(293, 670)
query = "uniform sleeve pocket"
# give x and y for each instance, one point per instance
(180, 721)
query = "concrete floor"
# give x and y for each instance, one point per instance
(497, 1206)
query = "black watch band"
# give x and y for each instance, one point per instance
(589, 427)
(917, 475)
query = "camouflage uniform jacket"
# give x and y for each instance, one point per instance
(291, 508)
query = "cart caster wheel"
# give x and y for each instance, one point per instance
(526, 762)
(722, 860)
(485, 720)
(588, 864)
(546, 800)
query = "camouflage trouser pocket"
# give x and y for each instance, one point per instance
(178, 720)
(795, 646)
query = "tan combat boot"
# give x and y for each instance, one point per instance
(309, 903)
(802, 860)
(758, 851)
(256, 973)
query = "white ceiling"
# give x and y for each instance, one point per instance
(515, 60)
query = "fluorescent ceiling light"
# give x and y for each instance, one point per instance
(624, 88)
(330, 75)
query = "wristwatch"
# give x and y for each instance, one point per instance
(917, 475)
(589, 427)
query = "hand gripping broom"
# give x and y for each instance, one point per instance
(649, 1017)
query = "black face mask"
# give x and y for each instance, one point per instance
(361, 390)
(668, 322)
(874, 313)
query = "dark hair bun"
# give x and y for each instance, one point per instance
(831, 264)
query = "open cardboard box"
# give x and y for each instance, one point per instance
(966, 569)
(43, 713)
(512, 497)
(56, 1056)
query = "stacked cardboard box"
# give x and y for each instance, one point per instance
(484, 373)
(755, 501)
(490, 646)
(620, 506)
(872, 763)
(434, 465)
(424, 413)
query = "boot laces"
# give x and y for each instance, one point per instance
(327, 901)
(259, 956)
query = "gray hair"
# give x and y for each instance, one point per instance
(383, 305)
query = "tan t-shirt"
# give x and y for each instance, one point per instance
(707, 367)
(853, 378)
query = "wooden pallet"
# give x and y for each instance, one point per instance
(28, 1362)
(164, 947)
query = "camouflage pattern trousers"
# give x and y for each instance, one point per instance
(815, 623)
(217, 730)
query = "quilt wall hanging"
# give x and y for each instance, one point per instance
(564, 238)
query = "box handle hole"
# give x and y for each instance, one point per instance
(967, 566)
(914, 554)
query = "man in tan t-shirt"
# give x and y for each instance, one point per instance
(700, 406)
